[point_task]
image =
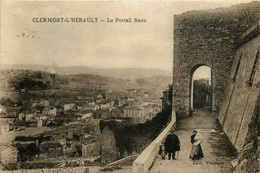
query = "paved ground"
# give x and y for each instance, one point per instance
(218, 152)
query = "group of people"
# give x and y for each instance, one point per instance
(172, 145)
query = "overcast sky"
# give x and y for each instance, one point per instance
(102, 44)
(202, 72)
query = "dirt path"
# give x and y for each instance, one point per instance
(218, 151)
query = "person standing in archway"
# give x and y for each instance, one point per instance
(172, 144)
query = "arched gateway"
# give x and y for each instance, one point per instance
(206, 38)
(201, 88)
(183, 87)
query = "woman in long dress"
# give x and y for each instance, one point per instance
(196, 150)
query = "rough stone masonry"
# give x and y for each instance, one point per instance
(227, 40)
(208, 38)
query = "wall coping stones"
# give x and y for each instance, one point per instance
(147, 157)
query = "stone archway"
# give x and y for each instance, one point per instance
(182, 84)
(201, 73)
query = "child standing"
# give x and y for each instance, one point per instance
(162, 151)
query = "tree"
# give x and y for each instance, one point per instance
(201, 93)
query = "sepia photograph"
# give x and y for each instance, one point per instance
(129, 86)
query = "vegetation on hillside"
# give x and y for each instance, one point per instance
(38, 84)
(25, 79)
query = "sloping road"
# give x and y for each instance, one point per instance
(218, 151)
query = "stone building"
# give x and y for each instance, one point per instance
(102, 113)
(207, 38)
(116, 112)
(69, 106)
(39, 123)
(165, 99)
(91, 147)
(50, 149)
(4, 127)
(2, 110)
(87, 117)
(29, 116)
(135, 112)
(8, 155)
(226, 40)
(50, 111)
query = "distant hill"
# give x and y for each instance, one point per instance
(155, 81)
(38, 82)
(155, 84)
(123, 73)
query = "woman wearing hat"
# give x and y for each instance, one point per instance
(196, 150)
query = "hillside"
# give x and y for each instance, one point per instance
(75, 85)
(123, 73)
(154, 85)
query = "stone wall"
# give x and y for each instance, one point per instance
(207, 38)
(241, 95)
(145, 160)
(109, 148)
(248, 158)
(8, 154)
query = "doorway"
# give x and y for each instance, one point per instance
(201, 88)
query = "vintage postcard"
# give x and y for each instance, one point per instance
(129, 86)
